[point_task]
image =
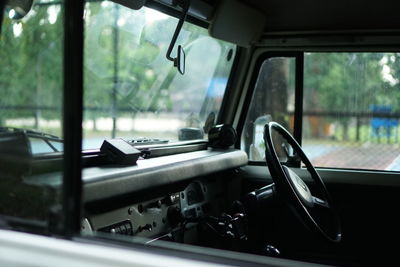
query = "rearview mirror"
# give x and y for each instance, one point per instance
(179, 61)
(17, 9)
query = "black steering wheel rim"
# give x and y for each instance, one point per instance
(317, 214)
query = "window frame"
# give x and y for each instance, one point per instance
(298, 102)
(72, 117)
(74, 25)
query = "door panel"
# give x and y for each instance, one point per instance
(367, 202)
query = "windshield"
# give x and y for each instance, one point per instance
(133, 92)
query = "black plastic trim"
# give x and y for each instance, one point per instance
(175, 13)
(229, 91)
(298, 111)
(73, 114)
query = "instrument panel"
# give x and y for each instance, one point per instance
(163, 217)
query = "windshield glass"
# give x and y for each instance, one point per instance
(31, 74)
(31, 97)
(133, 92)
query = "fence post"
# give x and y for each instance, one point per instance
(357, 128)
(37, 117)
(115, 78)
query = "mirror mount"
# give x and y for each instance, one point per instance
(179, 61)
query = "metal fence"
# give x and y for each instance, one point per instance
(353, 126)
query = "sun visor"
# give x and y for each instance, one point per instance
(237, 23)
(134, 4)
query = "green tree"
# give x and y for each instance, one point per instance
(31, 51)
(342, 82)
(390, 94)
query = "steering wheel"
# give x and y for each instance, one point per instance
(315, 210)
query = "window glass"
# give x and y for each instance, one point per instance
(351, 110)
(132, 91)
(273, 100)
(31, 86)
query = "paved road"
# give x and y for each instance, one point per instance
(368, 156)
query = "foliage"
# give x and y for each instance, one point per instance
(125, 69)
(25, 79)
(390, 94)
(343, 81)
(347, 84)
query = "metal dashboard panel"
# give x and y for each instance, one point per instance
(110, 181)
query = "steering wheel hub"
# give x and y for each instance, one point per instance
(301, 188)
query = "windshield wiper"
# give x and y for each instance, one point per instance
(47, 138)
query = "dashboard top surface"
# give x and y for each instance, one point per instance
(105, 182)
(115, 180)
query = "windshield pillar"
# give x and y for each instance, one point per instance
(73, 110)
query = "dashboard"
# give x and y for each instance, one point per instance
(162, 217)
(186, 188)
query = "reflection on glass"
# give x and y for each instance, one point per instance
(351, 110)
(273, 100)
(132, 91)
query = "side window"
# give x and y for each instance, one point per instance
(351, 110)
(31, 118)
(272, 100)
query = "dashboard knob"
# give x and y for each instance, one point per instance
(156, 204)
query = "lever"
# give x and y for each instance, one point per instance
(231, 226)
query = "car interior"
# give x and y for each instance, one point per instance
(238, 183)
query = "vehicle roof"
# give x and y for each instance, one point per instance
(246, 22)
(327, 16)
